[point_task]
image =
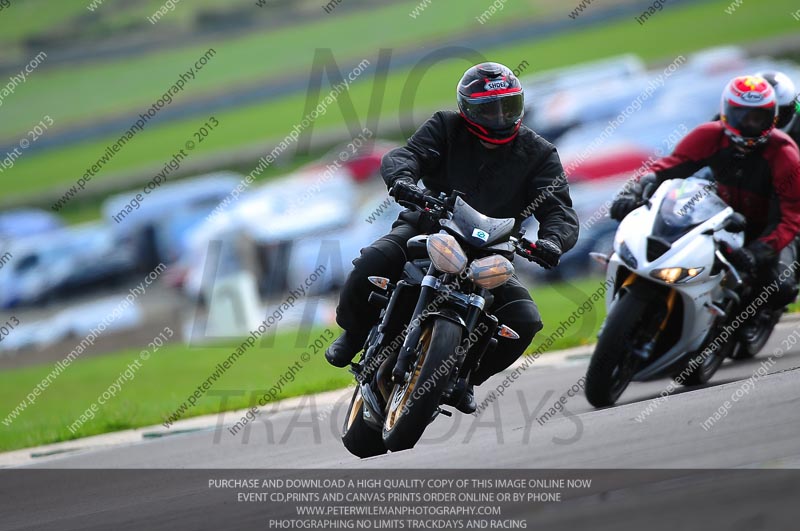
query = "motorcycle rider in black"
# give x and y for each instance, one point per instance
(505, 170)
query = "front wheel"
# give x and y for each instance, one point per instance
(613, 363)
(358, 437)
(413, 404)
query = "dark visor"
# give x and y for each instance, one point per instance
(494, 112)
(751, 123)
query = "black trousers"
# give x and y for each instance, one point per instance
(386, 257)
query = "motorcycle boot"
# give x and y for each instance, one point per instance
(342, 351)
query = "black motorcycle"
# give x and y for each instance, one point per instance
(434, 329)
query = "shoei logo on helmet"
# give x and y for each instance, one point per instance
(481, 235)
(496, 85)
(752, 96)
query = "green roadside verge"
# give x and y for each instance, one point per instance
(162, 382)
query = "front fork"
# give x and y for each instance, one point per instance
(409, 348)
(431, 301)
(646, 350)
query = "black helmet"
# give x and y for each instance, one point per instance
(787, 98)
(491, 101)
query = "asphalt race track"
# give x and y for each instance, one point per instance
(759, 431)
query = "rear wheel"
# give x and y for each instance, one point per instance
(358, 437)
(413, 404)
(613, 363)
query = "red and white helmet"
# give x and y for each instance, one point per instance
(749, 110)
(492, 102)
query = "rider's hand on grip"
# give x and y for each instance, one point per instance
(633, 197)
(744, 260)
(404, 189)
(623, 205)
(751, 257)
(544, 252)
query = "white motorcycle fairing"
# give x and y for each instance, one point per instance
(679, 228)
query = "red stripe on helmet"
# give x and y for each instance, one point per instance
(482, 133)
(498, 92)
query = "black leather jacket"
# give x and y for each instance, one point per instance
(515, 180)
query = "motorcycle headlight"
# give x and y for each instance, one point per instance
(671, 275)
(490, 271)
(446, 254)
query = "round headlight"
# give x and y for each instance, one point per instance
(446, 254)
(490, 271)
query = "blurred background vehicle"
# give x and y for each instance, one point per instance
(62, 262)
(20, 222)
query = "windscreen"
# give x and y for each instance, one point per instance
(687, 204)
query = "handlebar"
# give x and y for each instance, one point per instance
(439, 206)
(520, 249)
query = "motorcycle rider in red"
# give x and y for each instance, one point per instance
(505, 170)
(757, 172)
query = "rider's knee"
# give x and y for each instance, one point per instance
(525, 320)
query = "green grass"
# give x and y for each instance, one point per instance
(165, 380)
(161, 384)
(558, 302)
(77, 93)
(655, 41)
(23, 19)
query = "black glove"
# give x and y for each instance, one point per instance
(630, 200)
(546, 253)
(744, 260)
(623, 205)
(428, 223)
(752, 256)
(404, 189)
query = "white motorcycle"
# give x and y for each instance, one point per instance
(671, 292)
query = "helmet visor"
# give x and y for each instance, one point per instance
(751, 122)
(495, 113)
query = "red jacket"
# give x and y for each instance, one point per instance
(764, 185)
